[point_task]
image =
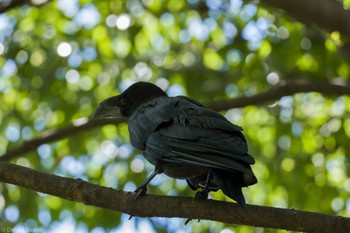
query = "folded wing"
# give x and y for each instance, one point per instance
(179, 130)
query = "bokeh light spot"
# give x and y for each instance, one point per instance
(123, 21)
(11, 213)
(273, 78)
(2, 48)
(109, 149)
(137, 165)
(111, 20)
(72, 76)
(288, 164)
(64, 49)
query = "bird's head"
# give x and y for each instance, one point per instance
(126, 103)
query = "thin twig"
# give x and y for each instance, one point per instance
(284, 88)
(54, 135)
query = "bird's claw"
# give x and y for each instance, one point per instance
(190, 219)
(140, 191)
(203, 195)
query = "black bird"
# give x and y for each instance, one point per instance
(184, 140)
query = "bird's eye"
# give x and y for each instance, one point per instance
(123, 102)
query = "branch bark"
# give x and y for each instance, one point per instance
(326, 14)
(87, 193)
(8, 5)
(335, 88)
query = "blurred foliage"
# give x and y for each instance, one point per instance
(59, 60)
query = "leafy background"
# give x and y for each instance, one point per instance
(59, 60)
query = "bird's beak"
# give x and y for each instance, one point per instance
(108, 109)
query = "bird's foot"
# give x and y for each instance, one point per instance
(190, 219)
(202, 195)
(140, 191)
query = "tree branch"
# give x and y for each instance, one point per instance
(8, 5)
(335, 88)
(326, 14)
(87, 193)
(54, 135)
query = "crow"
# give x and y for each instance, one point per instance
(184, 140)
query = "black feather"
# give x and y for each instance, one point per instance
(178, 130)
(185, 140)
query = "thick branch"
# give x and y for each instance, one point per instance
(90, 194)
(326, 14)
(274, 94)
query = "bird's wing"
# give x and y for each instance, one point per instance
(148, 118)
(180, 130)
(220, 150)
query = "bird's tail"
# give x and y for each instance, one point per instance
(231, 184)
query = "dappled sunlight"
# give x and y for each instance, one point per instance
(59, 60)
